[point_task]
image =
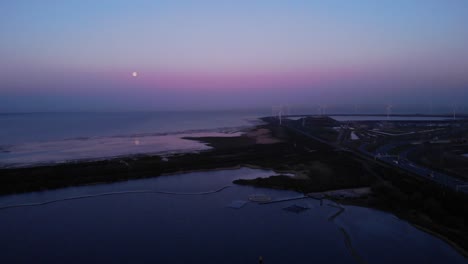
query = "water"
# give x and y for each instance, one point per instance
(390, 118)
(44, 138)
(28, 139)
(161, 228)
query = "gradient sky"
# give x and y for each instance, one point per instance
(79, 55)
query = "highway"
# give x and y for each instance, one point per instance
(402, 163)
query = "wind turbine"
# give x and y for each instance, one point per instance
(322, 108)
(389, 110)
(277, 111)
(454, 107)
(280, 114)
(319, 110)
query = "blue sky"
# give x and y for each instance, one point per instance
(80, 54)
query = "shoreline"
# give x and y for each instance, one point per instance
(223, 152)
(236, 167)
(453, 244)
(290, 155)
(110, 148)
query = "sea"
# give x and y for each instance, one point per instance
(193, 217)
(29, 139)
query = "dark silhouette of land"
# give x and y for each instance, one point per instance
(318, 165)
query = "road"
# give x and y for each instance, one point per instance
(402, 163)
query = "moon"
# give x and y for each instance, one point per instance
(134, 74)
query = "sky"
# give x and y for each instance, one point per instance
(80, 55)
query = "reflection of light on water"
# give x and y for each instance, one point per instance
(103, 147)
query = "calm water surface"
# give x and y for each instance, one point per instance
(390, 118)
(162, 228)
(36, 138)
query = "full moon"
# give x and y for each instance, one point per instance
(134, 74)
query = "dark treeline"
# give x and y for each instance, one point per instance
(318, 166)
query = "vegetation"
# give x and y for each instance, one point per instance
(318, 175)
(441, 158)
(316, 165)
(422, 203)
(228, 152)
